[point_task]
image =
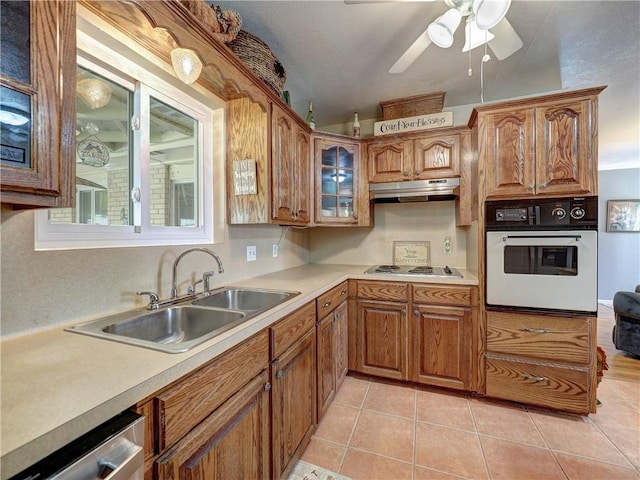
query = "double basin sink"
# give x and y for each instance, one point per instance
(181, 326)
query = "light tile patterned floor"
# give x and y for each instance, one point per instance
(383, 430)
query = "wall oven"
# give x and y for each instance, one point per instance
(542, 254)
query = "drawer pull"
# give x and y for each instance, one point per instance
(535, 378)
(535, 330)
(325, 305)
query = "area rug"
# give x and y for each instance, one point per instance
(308, 471)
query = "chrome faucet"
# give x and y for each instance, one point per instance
(174, 282)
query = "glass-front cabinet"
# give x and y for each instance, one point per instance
(338, 181)
(37, 102)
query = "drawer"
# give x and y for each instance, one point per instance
(393, 291)
(538, 383)
(563, 339)
(443, 295)
(185, 404)
(290, 329)
(330, 300)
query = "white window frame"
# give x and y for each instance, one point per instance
(193, 101)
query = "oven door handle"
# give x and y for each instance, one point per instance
(507, 237)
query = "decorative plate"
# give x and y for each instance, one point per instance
(93, 153)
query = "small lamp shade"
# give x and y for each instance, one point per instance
(93, 92)
(474, 36)
(186, 64)
(490, 12)
(441, 31)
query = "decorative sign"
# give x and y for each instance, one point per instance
(412, 253)
(244, 177)
(410, 124)
(93, 152)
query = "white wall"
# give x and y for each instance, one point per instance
(618, 253)
(431, 221)
(43, 289)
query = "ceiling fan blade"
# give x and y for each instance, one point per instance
(507, 41)
(413, 52)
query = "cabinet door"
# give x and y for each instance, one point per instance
(326, 363)
(563, 149)
(341, 337)
(337, 174)
(441, 346)
(232, 443)
(301, 185)
(390, 161)
(381, 343)
(437, 157)
(37, 87)
(282, 158)
(510, 153)
(293, 402)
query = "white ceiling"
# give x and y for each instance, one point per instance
(338, 55)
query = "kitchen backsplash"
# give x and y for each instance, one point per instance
(428, 221)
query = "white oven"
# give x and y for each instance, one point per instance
(538, 256)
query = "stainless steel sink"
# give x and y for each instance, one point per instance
(173, 329)
(180, 327)
(248, 300)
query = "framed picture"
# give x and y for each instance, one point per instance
(412, 253)
(623, 215)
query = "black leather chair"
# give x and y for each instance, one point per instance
(626, 332)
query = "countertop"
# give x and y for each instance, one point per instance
(57, 385)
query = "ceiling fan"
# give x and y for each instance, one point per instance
(485, 23)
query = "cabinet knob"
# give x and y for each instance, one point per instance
(531, 186)
(355, 216)
(543, 185)
(417, 173)
(406, 174)
(326, 304)
(279, 374)
(535, 378)
(416, 313)
(267, 386)
(343, 292)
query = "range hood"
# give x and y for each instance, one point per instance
(415, 191)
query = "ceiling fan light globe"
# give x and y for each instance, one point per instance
(442, 29)
(489, 13)
(475, 36)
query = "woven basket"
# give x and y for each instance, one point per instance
(224, 25)
(257, 55)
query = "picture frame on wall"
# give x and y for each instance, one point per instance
(623, 215)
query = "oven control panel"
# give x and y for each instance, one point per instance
(581, 212)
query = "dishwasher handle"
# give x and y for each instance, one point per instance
(126, 470)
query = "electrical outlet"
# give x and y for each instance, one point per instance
(251, 253)
(275, 250)
(447, 246)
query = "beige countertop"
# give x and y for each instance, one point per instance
(57, 385)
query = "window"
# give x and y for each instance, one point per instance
(146, 149)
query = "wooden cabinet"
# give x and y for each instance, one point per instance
(442, 332)
(290, 183)
(37, 83)
(427, 156)
(382, 329)
(435, 346)
(340, 184)
(545, 360)
(231, 443)
(293, 394)
(332, 335)
(540, 146)
(214, 409)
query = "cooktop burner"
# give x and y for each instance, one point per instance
(427, 271)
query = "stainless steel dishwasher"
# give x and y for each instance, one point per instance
(111, 451)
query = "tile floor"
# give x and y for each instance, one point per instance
(383, 430)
